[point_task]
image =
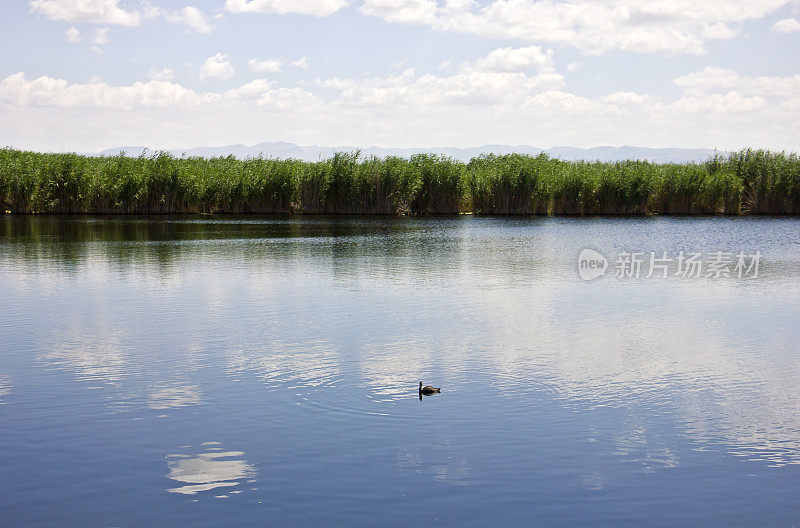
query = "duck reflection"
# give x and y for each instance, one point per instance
(209, 470)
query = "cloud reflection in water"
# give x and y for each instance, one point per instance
(209, 470)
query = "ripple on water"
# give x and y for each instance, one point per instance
(289, 366)
(173, 395)
(5, 388)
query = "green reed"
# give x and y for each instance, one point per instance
(509, 184)
(750, 181)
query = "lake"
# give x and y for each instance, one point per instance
(264, 371)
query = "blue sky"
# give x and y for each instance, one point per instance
(92, 74)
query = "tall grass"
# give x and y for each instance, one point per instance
(746, 182)
(343, 184)
(770, 181)
(509, 184)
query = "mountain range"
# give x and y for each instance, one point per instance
(314, 153)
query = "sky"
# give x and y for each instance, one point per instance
(85, 75)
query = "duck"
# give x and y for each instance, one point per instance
(427, 389)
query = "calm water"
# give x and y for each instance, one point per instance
(264, 371)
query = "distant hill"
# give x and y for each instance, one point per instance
(315, 153)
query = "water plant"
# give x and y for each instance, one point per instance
(745, 182)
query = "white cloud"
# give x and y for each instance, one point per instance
(551, 102)
(274, 65)
(510, 60)
(194, 19)
(101, 36)
(251, 90)
(731, 102)
(725, 91)
(157, 93)
(401, 11)
(787, 25)
(318, 8)
(46, 91)
(499, 78)
(265, 94)
(720, 79)
(88, 11)
(480, 89)
(154, 112)
(301, 63)
(594, 26)
(149, 11)
(165, 74)
(73, 35)
(627, 98)
(718, 107)
(217, 67)
(265, 66)
(96, 49)
(710, 77)
(715, 107)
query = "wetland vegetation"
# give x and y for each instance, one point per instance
(746, 182)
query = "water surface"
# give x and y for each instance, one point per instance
(263, 371)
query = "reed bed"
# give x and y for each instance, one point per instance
(746, 182)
